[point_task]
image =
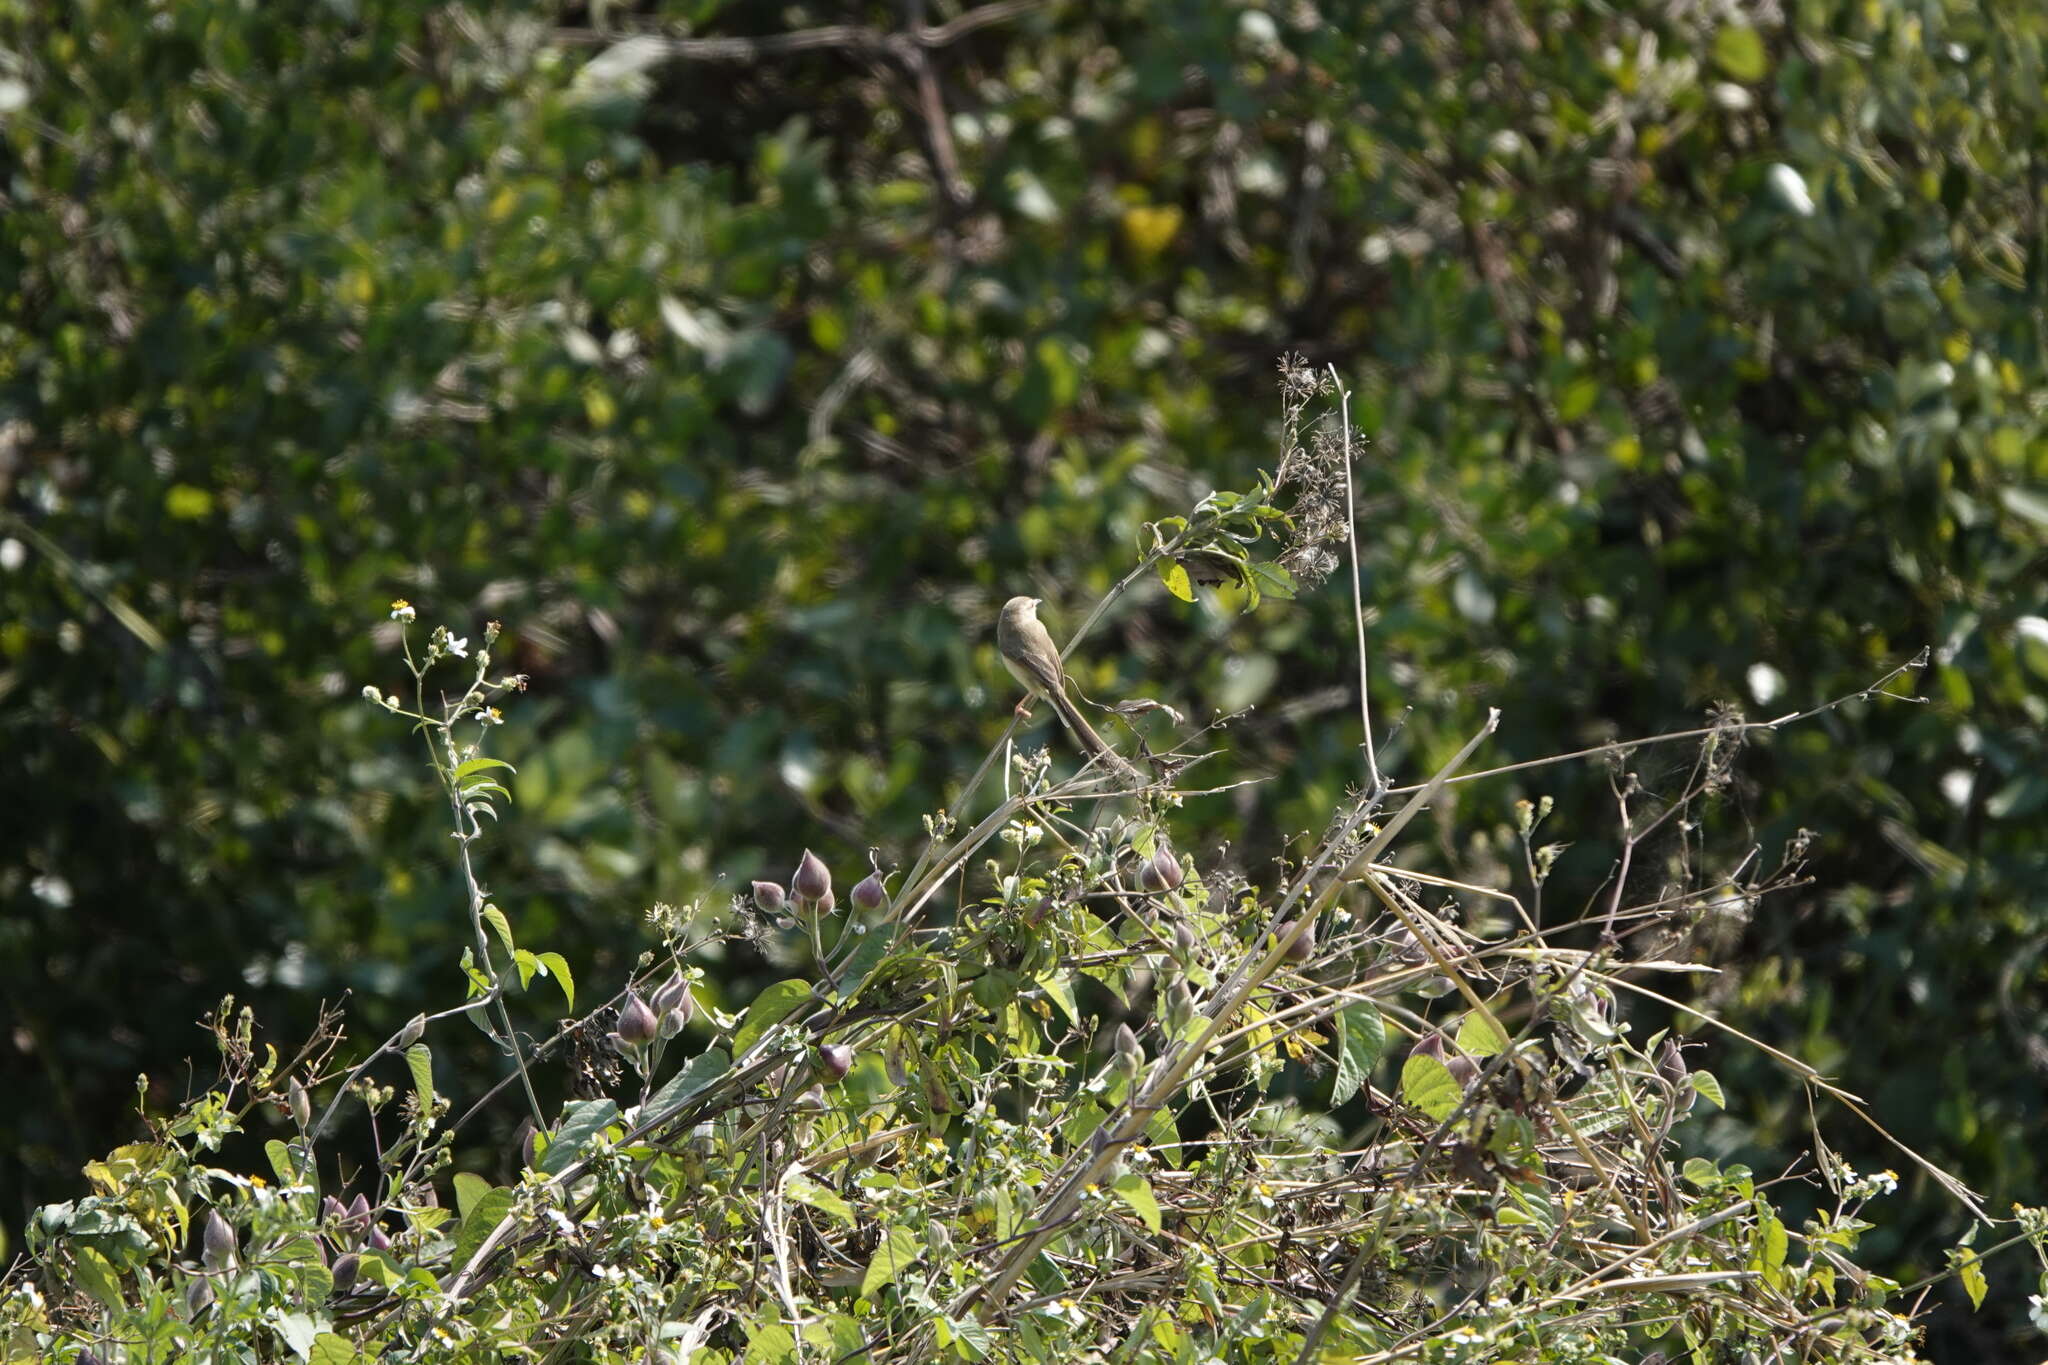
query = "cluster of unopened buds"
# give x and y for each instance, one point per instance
(810, 890)
(663, 1014)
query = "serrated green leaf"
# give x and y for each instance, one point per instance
(1709, 1088)
(898, 1251)
(1136, 1191)
(697, 1073)
(281, 1162)
(1970, 1269)
(1479, 1037)
(1163, 1135)
(96, 1276)
(478, 1221)
(419, 1060)
(1176, 580)
(298, 1332)
(773, 1005)
(558, 968)
(1059, 988)
(1275, 581)
(867, 953)
(1427, 1084)
(804, 1190)
(495, 917)
(329, 1349)
(1361, 1040)
(581, 1121)
(469, 1188)
(1739, 51)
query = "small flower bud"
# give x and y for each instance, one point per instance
(198, 1294)
(301, 1103)
(359, 1213)
(637, 1024)
(868, 893)
(769, 897)
(813, 1099)
(1168, 869)
(1431, 1044)
(1304, 946)
(1130, 1054)
(1180, 1005)
(528, 1142)
(813, 880)
(330, 1207)
(1463, 1069)
(346, 1268)
(825, 903)
(673, 1022)
(411, 1033)
(1671, 1062)
(670, 996)
(372, 695)
(834, 1061)
(217, 1242)
(377, 1240)
(1184, 942)
(1149, 880)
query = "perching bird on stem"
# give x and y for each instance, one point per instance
(1028, 652)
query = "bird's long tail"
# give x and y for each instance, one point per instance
(1094, 744)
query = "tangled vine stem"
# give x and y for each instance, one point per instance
(1059, 1088)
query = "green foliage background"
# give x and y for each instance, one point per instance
(1700, 349)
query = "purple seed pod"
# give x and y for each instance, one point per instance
(216, 1242)
(1304, 946)
(637, 1024)
(346, 1268)
(673, 995)
(1168, 869)
(1431, 1044)
(301, 1104)
(834, 1061)
(770, 897)
(868, 893)
(410, 1034)
(377, 1240)
(812, 880)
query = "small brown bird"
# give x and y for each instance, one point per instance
(1029, 654)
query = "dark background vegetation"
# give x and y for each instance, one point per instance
(743, 376)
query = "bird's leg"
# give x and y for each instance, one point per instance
(1024, 706)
